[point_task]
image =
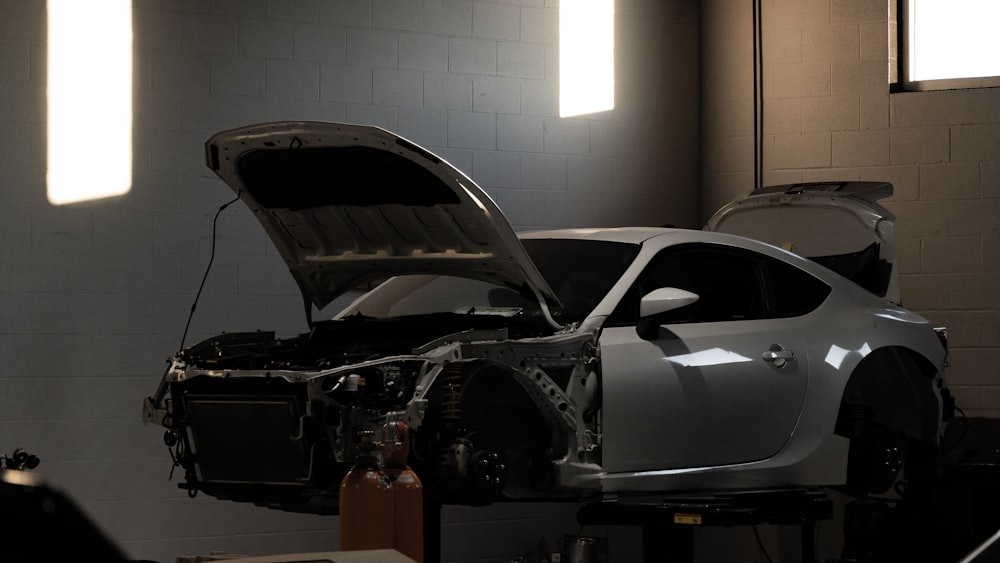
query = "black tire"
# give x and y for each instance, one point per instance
(889, 413)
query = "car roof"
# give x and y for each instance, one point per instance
(642, 235)
(634, 235)
(661, 237)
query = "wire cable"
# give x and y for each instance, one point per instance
(760, 87)
(758, 96)
(208, 268)
(760, 545)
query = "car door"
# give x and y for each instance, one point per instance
(721, 381)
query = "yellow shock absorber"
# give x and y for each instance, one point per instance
(451, 392)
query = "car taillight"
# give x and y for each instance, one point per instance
(942, 334)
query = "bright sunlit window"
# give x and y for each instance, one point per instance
(586, 56)
(89, 99)
(953, 40)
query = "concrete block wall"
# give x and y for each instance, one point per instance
(828, 114)
(94, 297)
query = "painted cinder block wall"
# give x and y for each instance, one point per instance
(94, 297)
(828, 114)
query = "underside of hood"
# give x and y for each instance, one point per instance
(351, 204)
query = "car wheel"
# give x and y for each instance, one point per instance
(888, 412)
(875, 460)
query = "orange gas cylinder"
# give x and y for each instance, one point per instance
(407, 492)
(366, 507)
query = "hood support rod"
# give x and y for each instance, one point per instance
(545, 308)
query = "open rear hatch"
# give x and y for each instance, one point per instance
(837, 224)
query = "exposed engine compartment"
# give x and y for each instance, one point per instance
(251, 417)
(334, 343)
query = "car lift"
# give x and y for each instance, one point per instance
(668, 523)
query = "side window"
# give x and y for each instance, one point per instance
(728, 283)
(792, 291)
(732, 285)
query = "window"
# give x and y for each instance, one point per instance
(89, 100)
(945, 44)
(580, 272)
(731, 284)
(586, 57)
(793, 292)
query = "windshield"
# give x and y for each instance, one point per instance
(581, 272)
(427, 294)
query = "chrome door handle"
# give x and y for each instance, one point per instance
(777, 356)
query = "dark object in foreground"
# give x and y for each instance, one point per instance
(668, 523)
(19, 460)
(40, 523)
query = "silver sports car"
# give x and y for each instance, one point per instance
(568, 363)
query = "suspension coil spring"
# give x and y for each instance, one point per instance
(451, 392)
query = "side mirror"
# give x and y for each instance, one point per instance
(664, 299)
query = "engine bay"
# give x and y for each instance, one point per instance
(279, 422)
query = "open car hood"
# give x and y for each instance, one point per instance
(838, 224)
(350, 204)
